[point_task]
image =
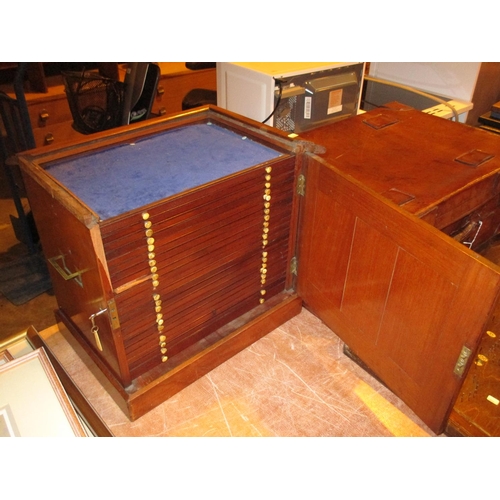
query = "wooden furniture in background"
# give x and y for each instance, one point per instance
(51, 118)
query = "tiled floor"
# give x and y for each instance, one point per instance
(296, 381)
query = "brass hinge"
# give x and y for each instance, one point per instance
(462, 361)
(301, 185)
(294, 266)
(113, 314)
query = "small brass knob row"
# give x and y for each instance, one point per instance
(481, 360)
(155, 280)
(265, 232)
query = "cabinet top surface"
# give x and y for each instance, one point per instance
(410, 156)
(127, 176)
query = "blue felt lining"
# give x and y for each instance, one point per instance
(129, 176)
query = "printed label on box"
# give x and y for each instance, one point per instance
(335, 101)
(307, 107)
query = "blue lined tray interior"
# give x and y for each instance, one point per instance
(125, 177)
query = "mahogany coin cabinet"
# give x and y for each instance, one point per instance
(176, 243)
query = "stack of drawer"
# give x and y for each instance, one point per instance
(163, 242)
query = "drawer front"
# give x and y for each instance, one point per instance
(47, 112)
(185, 267)
(477, 227)
(56, 134)
(462, 203)
(173, 88)
(51, 120)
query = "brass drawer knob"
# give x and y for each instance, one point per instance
(44, 115)
(481, 360)
(160, 90)
(49, 139)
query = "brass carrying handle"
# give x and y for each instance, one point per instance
(64, 271)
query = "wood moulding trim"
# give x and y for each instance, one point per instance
(153, 388)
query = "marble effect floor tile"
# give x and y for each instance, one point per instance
(295, 381)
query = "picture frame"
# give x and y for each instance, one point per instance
(15, 346)
(5, 357)
(33, 402)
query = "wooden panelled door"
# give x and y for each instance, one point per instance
(404, 297)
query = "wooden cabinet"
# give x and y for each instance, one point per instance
(49, 114)
(368, 225)
(169, 245)
(409, 300)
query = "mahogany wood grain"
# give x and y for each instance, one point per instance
(387, 288)
(59, 231)
(207, 264)
(416, 154)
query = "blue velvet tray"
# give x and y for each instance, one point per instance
(126, 177)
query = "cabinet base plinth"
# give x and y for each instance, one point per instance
(159, 384)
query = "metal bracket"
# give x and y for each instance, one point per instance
(301, 185)
(113, 314)
(462, 361)
(64, 271)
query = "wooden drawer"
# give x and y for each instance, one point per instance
(464, 202)
(49, 111)
(201, 254)
(477, 227)
(57, 133)
(173, 87)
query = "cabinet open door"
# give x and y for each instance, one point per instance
(408, 300)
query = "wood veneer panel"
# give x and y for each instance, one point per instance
(415, 304)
